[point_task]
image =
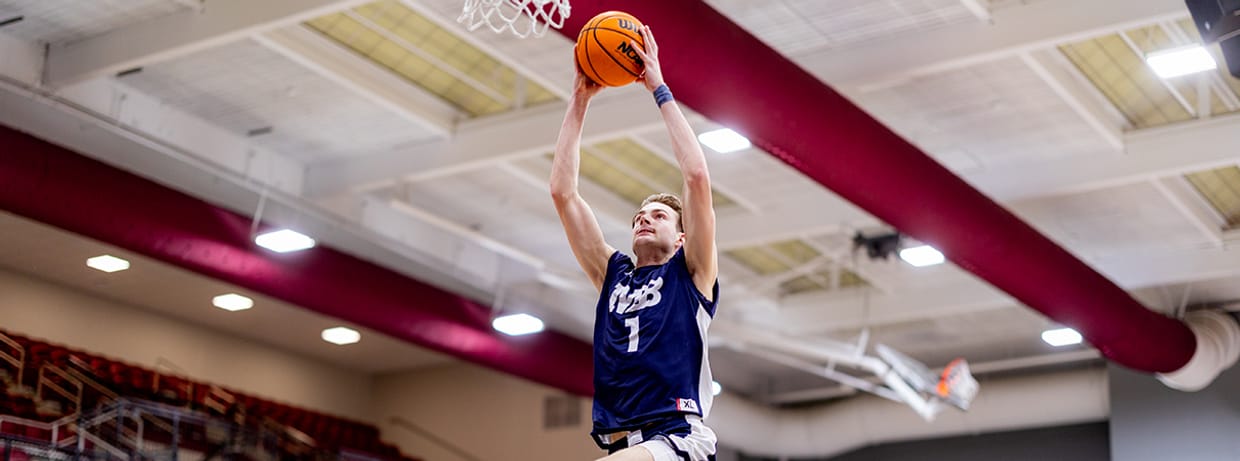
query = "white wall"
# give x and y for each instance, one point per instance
(1152, 422)
(488, 415)
(58, 314)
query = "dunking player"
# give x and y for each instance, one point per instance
(651, 375)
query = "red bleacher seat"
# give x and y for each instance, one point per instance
(132, 381)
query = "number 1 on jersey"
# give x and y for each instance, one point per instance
(634, 326)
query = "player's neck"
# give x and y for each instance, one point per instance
(652, 256)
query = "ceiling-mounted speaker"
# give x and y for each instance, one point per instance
(1219, 21)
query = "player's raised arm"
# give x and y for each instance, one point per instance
(584, 235)
(699, 211)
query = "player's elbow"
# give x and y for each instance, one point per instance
(697, 178)
(562, 194)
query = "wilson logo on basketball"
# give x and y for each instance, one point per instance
(628, 52)
(626, 24)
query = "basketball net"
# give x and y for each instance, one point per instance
(521, 17)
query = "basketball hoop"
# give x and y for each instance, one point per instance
(522, 17)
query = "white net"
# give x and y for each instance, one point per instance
(521, 17)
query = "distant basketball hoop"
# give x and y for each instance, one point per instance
(521, 17)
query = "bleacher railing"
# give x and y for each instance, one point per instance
(17, 357)
(57, 430)
(48, 375)
(14, 448)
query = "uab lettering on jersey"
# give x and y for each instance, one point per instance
(625, 300)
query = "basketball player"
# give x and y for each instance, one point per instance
(651, 375)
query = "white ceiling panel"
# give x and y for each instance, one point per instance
(983, 336)
(62, 21)
(243, 86)
(1112, 220)
(498, 205)
(797, 27)
(991, 114)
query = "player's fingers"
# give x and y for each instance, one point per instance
(640, 53)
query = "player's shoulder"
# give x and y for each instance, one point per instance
(619, 262)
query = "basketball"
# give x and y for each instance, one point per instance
(603, 50)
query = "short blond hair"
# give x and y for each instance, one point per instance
(672, 202)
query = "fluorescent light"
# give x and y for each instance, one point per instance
(724, 140)
(922, 256)
(517, 324)
(715, 388)
(284, 241)
(1061, 337)
(341, 336)
(232, 302)
(1181, 61)
(107, 263)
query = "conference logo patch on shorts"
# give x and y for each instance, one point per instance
(687, 405)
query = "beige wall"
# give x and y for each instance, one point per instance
(490, 416)
(61, 315)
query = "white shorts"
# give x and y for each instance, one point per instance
(698, 445)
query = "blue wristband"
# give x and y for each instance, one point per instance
(662, 95)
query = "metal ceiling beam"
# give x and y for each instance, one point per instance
(979, 8)
(820, 312)
(1149, 154)
(1078, 93)
(149, 119)
(20, 60)
(1022, 27)
(482, 143)
(363, 77)
(218, 22)
(1193, 207)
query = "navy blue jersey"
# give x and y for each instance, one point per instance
(650, 358)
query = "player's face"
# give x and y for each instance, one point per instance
(655, 224)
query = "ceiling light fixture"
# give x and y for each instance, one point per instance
(107, 263)
(341, 336)
(1061, 337)
(1181, 61)
(232, 302)
(517, 324)
(284, 241)
(724, 140)
(921, 256)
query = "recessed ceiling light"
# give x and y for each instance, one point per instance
(232, 302)
(341, 336)
(724, 140)
(1181, 61)
(1061, 337)
(517, 324)
(284, 241)
(107, 263)
(921, 256)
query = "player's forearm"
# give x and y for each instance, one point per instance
(567, 160)
(685, 145)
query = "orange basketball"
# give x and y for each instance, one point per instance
(603, 50)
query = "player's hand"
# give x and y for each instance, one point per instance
(653, 76)
(583, 87)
